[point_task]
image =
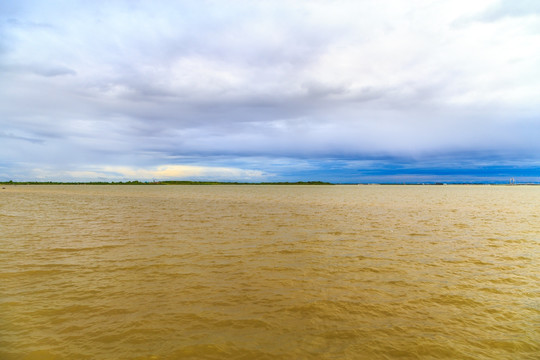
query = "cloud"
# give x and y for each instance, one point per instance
(135, 84)
(157, 173)
(38, 69)
(17, 137)
(168, 172)
(510, 9)
(54, 71)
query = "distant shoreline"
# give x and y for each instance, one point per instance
(3, 183)
(161, 183)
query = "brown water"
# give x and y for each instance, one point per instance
(270, 272)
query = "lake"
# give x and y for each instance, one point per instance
(269, 272)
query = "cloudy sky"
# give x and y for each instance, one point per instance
(342, 91)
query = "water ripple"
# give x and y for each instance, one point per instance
(263, 272)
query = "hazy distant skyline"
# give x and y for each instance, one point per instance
(341, 91)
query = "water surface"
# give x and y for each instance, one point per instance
(269, 272)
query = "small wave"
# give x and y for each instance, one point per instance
(243, 324)
(218, 351)
(87, 248)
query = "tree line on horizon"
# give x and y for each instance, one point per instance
(168, 182)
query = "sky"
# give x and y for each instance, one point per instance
(340, 91)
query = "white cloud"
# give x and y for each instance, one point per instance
(134, 83)
(158, 173)
(171, 172)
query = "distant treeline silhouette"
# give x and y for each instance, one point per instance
(168, 182)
